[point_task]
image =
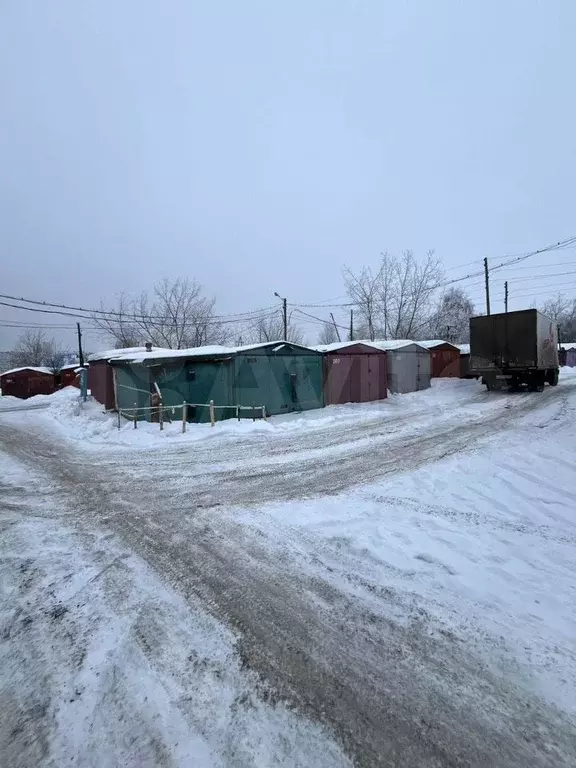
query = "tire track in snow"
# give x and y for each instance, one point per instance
(395, 695)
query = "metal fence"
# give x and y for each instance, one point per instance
(160, 413)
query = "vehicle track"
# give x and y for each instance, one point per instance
(394, 693)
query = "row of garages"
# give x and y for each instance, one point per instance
(280, 376)
(31, 380)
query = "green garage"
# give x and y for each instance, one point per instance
(281, 376)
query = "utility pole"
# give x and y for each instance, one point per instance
(486, 277)
(351, 325)
(80, 353)
(284, 314)
(506, 296)
(335, 327)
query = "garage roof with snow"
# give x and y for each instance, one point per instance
(431, 343)
(34, 369)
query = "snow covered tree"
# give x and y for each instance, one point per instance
(451, 320)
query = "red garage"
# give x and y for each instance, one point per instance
(67, 376)
(27, 382)
(444, 358)
(354, 372)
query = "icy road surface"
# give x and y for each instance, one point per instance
(391, 584)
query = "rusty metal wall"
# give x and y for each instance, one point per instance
(25, 384)
(101, 383)
(354, 374)
(67, 378)
(445, 361)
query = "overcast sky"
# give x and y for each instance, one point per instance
(259, 146)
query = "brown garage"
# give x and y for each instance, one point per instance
(101, 383)
(354, 372)
(444, 358)
(27, 382)
(67, 377)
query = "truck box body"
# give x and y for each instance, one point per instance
(513, 341)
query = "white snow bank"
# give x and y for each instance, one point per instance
(447, 400)
(88, 423)
(484, 542)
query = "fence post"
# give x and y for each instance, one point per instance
(264, 412)
(184, 417)
(212, 419)
(118, 419)
(161, 417)
(135, 415)
(238, 412)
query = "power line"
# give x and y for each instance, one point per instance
(111, 312)
(526, 294)
(324, 322)
(152, 320)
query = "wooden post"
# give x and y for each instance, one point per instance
(487, 282)
(264, 412)
(161, 416)
(335, 327)
(212, 419)
(119, 417)
(184, 417)
(135, 415)
(238, 412)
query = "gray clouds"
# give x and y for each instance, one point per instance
(258, 146)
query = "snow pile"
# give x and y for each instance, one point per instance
(89, 423)
(485, 541)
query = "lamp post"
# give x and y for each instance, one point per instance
(284, 314)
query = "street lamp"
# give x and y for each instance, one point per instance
(284, 314)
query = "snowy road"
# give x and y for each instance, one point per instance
(367, 613)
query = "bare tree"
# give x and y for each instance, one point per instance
(328, 334)
(562, 310)
(55, 357)
(271, 328)
(177, 316)
(395, 301)
(34, 349)
(365, 289)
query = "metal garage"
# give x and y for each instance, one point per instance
(408, 365)
(444, 357)
(281, 376)
(27, 382)
(354, 372)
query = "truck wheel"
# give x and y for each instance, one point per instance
(553, 377)
(488, 384)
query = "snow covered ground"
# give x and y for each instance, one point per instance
(101, 664)
(387, 584)
(90, 424)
